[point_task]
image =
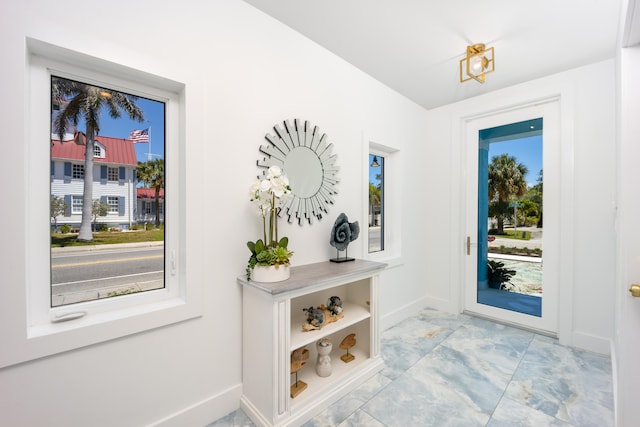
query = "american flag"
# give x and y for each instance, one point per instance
(138, 136)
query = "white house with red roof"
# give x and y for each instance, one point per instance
(146, 206)
(114, 179)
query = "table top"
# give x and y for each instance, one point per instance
(318, 274)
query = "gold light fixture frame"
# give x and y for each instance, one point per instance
(477, 55)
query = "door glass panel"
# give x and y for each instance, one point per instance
(510, 220)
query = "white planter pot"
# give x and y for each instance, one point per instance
(271, 273)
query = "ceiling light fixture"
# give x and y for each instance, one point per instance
(478, 62)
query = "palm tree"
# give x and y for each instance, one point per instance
(83, 101)
(374, 200)
(151, 173)
(506, 182)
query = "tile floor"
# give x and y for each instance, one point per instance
(457, 370)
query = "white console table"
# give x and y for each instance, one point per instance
(272, 330)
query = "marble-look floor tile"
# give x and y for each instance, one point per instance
(568, 384)
(404, 344)
(235, 419)
(513, 414)
(349, 404)
(361, 419)
(500, 345)
(474, 379)
(446, 388)
(410, 402)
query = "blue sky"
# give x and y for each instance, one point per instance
(154, 114)
(526, 150)
(122, 127)
(374, 171)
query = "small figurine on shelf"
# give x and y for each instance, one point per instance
(334, 304)
(315, 318)
(346, 344)
(321, 316)
(299, 358)
(323, 364)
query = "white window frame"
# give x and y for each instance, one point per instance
(114, 204)
(42, 330)
(76, 204)
(391, 253)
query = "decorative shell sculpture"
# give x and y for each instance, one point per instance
(343, 233)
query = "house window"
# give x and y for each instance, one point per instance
(112, 201)
(112, 174)
(46, 328)
(147, 207)
(76, 204)
(376, 203)
(69, 95)
(97, 151)
(382, 203)
(77, 171)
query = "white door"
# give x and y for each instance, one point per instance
(628, 307)
(549, 112)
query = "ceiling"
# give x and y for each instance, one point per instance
(414, 46)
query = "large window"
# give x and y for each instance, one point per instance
(136, 262)
(40, 327)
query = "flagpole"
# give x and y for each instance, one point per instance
(149, 152)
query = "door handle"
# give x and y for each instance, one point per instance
(635, 290)
(468, 245)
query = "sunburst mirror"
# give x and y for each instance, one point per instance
(305, 156)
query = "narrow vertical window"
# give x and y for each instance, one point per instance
(376, 203)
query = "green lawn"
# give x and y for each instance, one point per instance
(59, 240)
(510, 234)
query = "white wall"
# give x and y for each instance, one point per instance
(587, 266)
(244, 72)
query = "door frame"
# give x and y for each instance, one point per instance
(549, 110)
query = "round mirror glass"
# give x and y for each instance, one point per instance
(304, 170)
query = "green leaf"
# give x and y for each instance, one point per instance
(284, 242)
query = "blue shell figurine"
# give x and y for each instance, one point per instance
(343, 233)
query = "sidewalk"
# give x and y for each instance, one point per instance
(87, 248)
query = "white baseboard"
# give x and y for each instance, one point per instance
(204, 412)
(404, 312)
(590, 342)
